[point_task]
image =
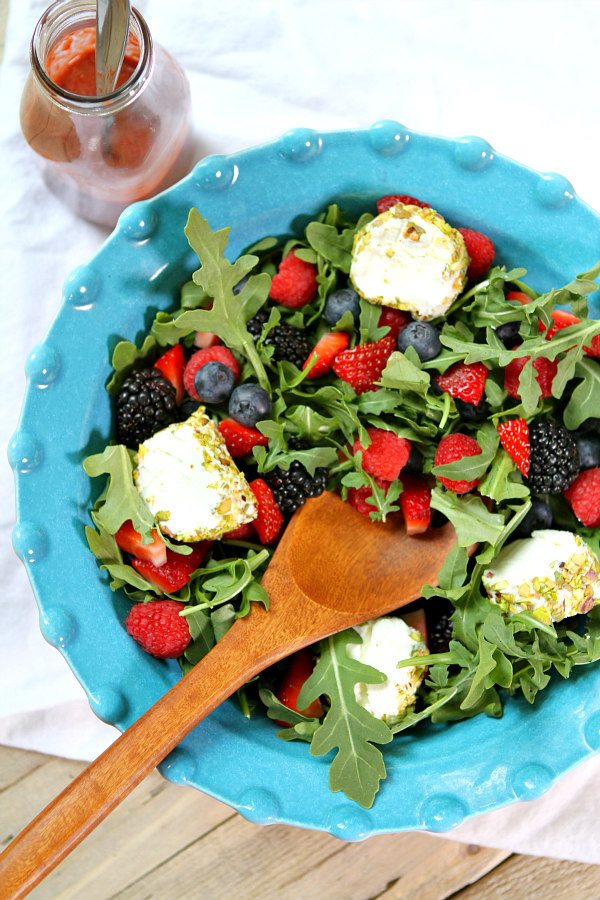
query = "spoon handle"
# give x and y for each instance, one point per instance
(112, 27)
(249, 646)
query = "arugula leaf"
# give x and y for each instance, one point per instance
(125, 355)
(229, 313)
(469, 515)
(122, 500)
(471, 467)
(584, 402)
(348, 728)
(403, 375)
(502, 482)
(529, 389)
(302, 728)
(331, 245)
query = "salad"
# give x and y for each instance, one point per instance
(393, 360)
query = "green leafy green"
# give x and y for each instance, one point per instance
(125, 356)
(584, 402)
(122, 501)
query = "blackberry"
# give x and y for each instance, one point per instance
(471, 412)
(554, 458)
(145, 404)
(292, 488)
(439, 626)
(288, 343)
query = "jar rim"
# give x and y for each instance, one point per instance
(121, 95)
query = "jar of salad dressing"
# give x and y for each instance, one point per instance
(102, 153)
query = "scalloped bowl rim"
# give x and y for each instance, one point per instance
(436, 779)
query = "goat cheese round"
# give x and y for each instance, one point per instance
(385, 642)
(409, 258)
(190, 482)
(552, 575)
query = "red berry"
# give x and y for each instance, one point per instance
(269, 521)
(295, 283)
(560, 319)
(481, 251)
(201, 358)
(464, 381)
(385, 203)
(299, 669)
(206, 339)
(158, 628)
(362, 366)
(545, 368)
(241, 533)
(453, 447)
(240, 439)
(518, 297)
(395, 319)
(130, 540)
(514, 437)
(171, 364)
(386, 455)
(415, 502)
(359, 498)
(325, 351)
(594, 348)
(177, 570)
(584, 497)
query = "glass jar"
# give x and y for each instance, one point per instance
(102, 153)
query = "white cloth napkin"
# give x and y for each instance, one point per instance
(521, 74)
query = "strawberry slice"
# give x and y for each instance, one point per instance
(545, 368)
(386, 455)
(385, 203)
(416, 620)
(481, 252)
(359, 498)
(204, 339)
(295, 283)
(415, 503)
(395, 319)
(130, 541)
(583, 496)
(269, 521)
(201, 358)
(299, 669)
(240, 439)
(325, 351)
(514, 437)
(363, 366)
(464, 381)
(177, 570)
(171, 365)
(241, 533)
(562, 319)
(451, 448)
(518, 297)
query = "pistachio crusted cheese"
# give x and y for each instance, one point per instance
(385, 642)
(409, 258)
(552, 575)
(190, 482)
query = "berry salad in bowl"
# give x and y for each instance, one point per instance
(394, 358)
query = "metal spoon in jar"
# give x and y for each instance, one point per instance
(112, 29)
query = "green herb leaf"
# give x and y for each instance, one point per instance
(122, 500)
(331, 245)
(125, 356)
(403, 375)
(584, 402)
(471, 518)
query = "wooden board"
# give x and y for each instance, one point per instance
(173, 843)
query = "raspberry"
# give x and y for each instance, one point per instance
(359, 498)
(325, 351)
(395, 319)
(386, 455)
(362, 366)
(240, 439)
(269, 521)
(481, 251)
(158, 628)
(464, 381)
(295, 284)
(385, 203)
(545, 368)
(514, 437)
(584, 497)
(201, 358)
(453, 447)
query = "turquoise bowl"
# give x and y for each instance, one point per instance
(437, 776)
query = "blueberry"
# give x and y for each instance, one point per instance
(249, 404)
(539, 516)
(414, 465)
(214, 382)
(469, 412)
(509, 334)
(588, 448)
(592, 425)
(344, 300)
(424, 337)
(241, 285)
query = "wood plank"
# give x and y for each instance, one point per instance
(16, 764)
(524, 877)
(313, 864)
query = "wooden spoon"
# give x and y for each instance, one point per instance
(332, 569)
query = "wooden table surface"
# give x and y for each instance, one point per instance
(174, 843)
